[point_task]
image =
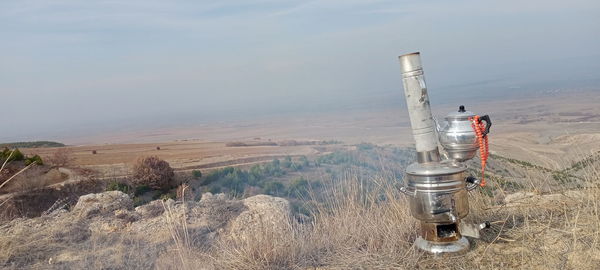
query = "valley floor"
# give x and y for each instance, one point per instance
(542, 198)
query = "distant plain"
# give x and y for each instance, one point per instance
(548, 129)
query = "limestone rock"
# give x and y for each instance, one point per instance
(104, 225)
(206, 197)
(264, 213)
(150, 210)
(102, 203)
(127, 215)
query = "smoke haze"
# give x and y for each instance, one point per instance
(89, 66)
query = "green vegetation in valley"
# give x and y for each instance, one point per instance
(564, 176)
(235, 180)
(34, 159)
(567, 175)
(295, 177)
(9, 155)
(141, 190)
(34, 144)
(521, 163)
(582, 164)
(326, 142)
(274, 188)
(119, 186)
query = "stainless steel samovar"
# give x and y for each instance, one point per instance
(437, 188)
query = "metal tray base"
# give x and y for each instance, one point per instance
(459, 245)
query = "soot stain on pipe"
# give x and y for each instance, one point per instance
(423, 94)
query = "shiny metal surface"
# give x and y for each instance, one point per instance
(457, 137)
(433, 169)
(437, 189)
(429, 156)
(417, 101)
(472, 230)
(411, 62)
(461, 245)
(438, 198)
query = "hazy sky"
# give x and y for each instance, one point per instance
(71, 65)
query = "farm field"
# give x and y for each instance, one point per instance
(543, 130)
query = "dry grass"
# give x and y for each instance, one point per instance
(367, 225)
(360, 224)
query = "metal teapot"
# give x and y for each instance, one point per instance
(457, 136)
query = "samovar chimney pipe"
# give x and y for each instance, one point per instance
(419, 110)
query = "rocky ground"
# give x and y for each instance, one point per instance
(105, 231)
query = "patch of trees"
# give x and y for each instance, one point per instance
(8, 155)
(281, 143)
(297, 188)
(244, 144)
(197, 174)
(295, 143)
(35, 144)
(343, 158)
(235, 180)
(120, 186)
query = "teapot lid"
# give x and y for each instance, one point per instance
(461, 114)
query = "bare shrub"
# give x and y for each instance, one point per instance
(62, 157)
(153, 172)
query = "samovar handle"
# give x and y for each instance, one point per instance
(488, 123)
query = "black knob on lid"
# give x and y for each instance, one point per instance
(470, 179)
(461, 108)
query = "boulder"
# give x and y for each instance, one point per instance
(127, 215)
(150, 210)
(263, 213)
(102, 203)
(207, 197)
